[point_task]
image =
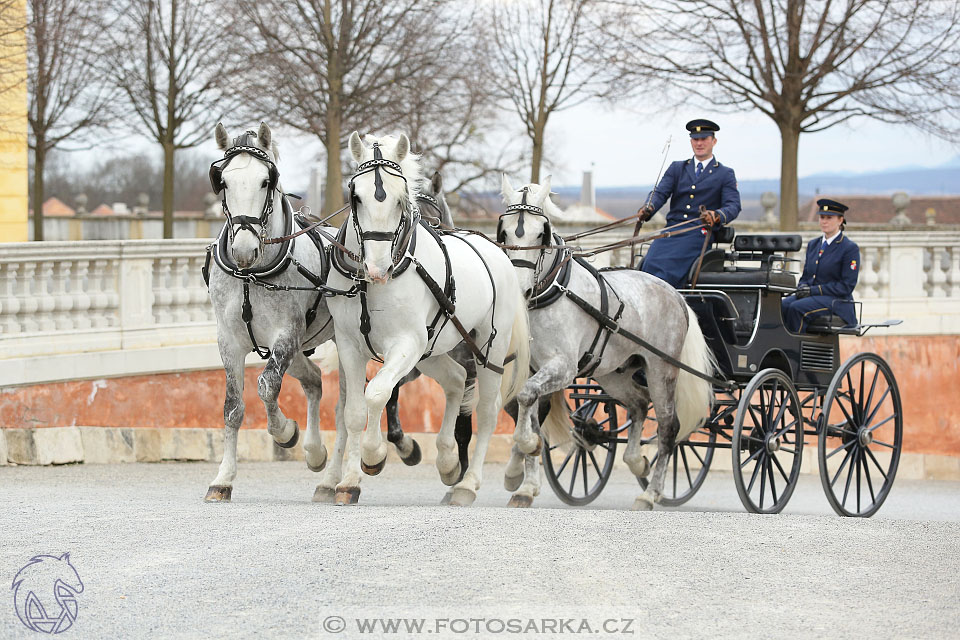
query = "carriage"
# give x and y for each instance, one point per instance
(776, 391)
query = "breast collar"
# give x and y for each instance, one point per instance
(433, 203)
(223, 259)
(550, 288)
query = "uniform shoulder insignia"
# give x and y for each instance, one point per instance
(853, 265)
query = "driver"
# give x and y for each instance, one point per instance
(690, 184)
(829, 274)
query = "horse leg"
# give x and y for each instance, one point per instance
(221, 488)
(488, 390)
(285, 432)
(398, 361)
(311, 380)
(451, 376)
(407, 447)
(622, 386)
(662, 390)
(553, 376)
(352, 376)
(326, 489)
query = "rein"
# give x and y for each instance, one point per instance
(313, 226)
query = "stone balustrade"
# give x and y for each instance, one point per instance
(73, 310)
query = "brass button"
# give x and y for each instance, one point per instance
(693, 186)
(688, 206)
(691, 195)
(685, 216)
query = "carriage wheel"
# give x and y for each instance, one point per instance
(767, 442)
(579, 471)
(687, 468)
(861, 432)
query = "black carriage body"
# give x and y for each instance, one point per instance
(739, 311)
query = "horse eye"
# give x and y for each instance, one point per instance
(265, 184)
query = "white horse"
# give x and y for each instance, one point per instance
(251, 313)
(568, 342)
(404, 272)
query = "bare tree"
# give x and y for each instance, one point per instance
(808, 64)
(13, 54)
(326, 68)
(551, 55)
(66, 95)
(171, 62)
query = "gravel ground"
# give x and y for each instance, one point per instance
(157, 562)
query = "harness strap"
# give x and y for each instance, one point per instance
(614, 327)
(493, 287)
(592, 357)
(247, 315)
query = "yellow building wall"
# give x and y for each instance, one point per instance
(13, 125)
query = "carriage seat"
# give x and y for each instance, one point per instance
(746, 277)
(768, 243)
(831, 324)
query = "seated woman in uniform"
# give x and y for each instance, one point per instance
(829, 275)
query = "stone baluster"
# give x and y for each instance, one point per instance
(63, 301)
(181, 293)
(47, 302)
(162, 295)
(113, 280)
(867, 283)
(936, 277)
(883, 271)
(200, 299)
(10, 302)
(29, 303)
(81, 295)
(98, 294)
(954, 275)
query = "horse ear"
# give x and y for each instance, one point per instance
(506, 189)
(403, 147)
(544, 192)
(265, 136)
(66, 556)
(220, 134)
(437, 183)
(275, 151)
(356, 146)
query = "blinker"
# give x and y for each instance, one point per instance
(380, 194)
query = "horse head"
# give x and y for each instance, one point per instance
(45, 590)
(247, 177)
(382, 193)
(526, 223)
(435, 208)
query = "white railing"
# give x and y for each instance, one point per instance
(96, 309)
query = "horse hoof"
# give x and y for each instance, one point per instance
(293, 440)
(512, 483)
(445, 500)
(372, 470)
(520, 501)
(324, 494)
(415, 455)
(218, 493)
(640, 468)
(451, 477)
(642, 504)
(462, 498)
(350, 495)
(322, 466)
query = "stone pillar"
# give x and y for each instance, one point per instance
(13, 132)
(588, 196)
(768, 200)
(907, 277)
(900, 203)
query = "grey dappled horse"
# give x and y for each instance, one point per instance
(564, 333)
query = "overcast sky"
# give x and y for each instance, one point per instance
(625, 149)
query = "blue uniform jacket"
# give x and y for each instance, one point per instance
(716, 189)
(833, 274)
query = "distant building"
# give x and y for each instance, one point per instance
(880, 209)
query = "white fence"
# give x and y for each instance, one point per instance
(73, 310)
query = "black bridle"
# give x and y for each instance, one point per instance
(399, 239)
(246, 143)
(520, 209)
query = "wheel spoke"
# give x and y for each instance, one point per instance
(773, 486)
(880, 424)
(783, 408)
(859, 460)
(866, 473)
(586, 489)
(863, 407)
(675, 460)
(573, 475)
(841, 448)
(873, 386)
(763, 480)
(752, 457)
(773, 399)
(786, 478)
(846, 415)
(686, 466)
(877, 462)
(595, 465)
(877, 408)
(882, 444)
(843, 464)
(696, 453)
(563, 466)
(846, 489)
(785, 429)
(853, 402)
(753, 478)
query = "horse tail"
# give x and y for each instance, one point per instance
(694, 395)
(516, 372)
(469, 402)
(557, 426)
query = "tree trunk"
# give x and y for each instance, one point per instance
(39, 160)
(537, 153)
(333, 188)
(789, 146)
(168, 152)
